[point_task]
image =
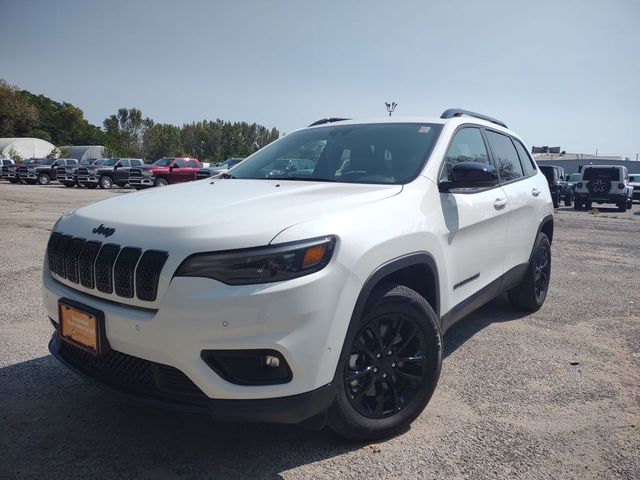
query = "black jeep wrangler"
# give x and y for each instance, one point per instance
(560, 188)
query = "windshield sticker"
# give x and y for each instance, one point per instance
(424, 129)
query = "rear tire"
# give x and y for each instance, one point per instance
(531, 292)
(69, 184)
(622, 206)
(578, 206)
(392, 355)
(556, 201)
(568, 201)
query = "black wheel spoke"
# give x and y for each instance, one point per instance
(360, 347)
(405, 343)
(379, 410)
(356, 374)
(418, 358)
(363, 388)
(409, 376)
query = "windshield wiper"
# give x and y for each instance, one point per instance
(227, 175)
(305, 179)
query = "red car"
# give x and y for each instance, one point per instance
(163, 172)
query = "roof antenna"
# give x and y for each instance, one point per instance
(391, 107)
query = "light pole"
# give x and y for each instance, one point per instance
(391, 107)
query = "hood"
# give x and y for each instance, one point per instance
(220, 215)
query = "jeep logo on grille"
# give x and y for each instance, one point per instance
(599, 186)
(102, 230)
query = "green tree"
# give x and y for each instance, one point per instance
(17, 114)
(162, 140)
(125, 131)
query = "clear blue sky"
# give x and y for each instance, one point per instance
(559, 72)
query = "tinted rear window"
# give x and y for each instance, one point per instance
(611, 174)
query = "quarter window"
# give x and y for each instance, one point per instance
(505, 156)
(467, 146)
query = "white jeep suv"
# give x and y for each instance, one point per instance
(317, 295)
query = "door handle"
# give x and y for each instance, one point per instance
(535, 192)
(500, 203)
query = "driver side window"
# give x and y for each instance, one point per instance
(467, 146)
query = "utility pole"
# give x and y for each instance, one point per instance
(391, 107)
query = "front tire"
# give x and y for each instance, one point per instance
(389, 366)
(106, 182)
(160, 182)
(44, 179)
(622, 206)
(531, 292)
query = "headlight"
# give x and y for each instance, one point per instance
(92, 171)
(261, 265)
(146, 173)
(32, 170)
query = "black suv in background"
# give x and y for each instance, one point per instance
(110, 172)
(68, 174)
(44, 172)
(558, 185)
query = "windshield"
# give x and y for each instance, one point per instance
(110, 162)
(389, 153)
(48, 161)
(634, 178)
(575, 177)
(163, 162)
(86, 161)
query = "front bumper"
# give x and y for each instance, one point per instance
(171, 395)
(142, 181)
(88, 179)
(304, 319)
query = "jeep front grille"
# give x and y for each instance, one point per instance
(107, 267)
(83, 172)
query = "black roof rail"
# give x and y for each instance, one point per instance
(457, 112)
(322, 121)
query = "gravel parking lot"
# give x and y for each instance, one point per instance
(551, 395)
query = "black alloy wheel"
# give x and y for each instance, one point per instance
(542, 271)
(386, 367)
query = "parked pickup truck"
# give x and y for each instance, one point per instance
(5, 163)
(68, 174)
(13, 171)
(44, 172)
(113, 171)
(164, 171)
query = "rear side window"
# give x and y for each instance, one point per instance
(505, 156)
(192, 164)
(124, 163)
(467, 146)
(179, 163)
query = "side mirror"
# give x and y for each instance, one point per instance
(174, 165)
(472, 175)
